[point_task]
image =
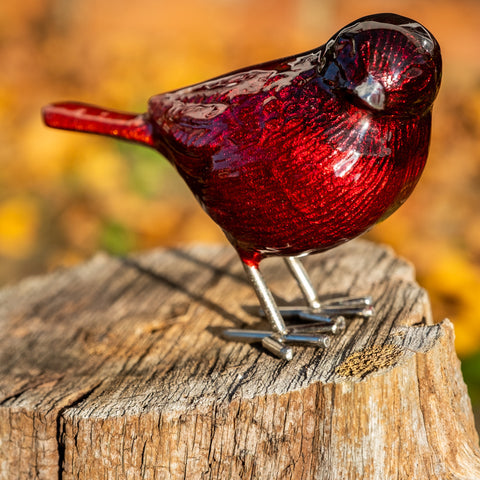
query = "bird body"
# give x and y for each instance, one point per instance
(283, 175)
(301, 154)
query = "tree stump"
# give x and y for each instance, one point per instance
(116, 369)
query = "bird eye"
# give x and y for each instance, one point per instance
(413, 72)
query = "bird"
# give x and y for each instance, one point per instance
(297, 155)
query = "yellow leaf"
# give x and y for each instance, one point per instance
(101, 171)
(18, 227)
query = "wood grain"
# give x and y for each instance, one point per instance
(116, 370)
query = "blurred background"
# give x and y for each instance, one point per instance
(65, 196)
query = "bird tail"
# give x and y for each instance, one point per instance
(81, 117)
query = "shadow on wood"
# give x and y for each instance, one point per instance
(114, 369)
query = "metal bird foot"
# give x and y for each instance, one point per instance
(313, 334)
(346, 306)
(309, 325)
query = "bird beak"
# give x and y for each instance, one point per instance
(371, 92)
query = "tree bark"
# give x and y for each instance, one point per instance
(116, 369)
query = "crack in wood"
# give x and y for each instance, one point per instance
(61, 422)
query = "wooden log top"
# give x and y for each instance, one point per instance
(114, 358)
(155, 320)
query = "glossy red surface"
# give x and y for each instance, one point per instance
(301, 154)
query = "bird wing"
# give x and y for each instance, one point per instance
(203, 116)
(227, 110)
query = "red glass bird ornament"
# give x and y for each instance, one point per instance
(296, 155)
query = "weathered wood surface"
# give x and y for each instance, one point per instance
(116, 370)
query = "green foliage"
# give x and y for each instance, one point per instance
(116, 239)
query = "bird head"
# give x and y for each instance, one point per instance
(385, 62)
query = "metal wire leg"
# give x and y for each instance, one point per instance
(278, 340)
(301, 276)
(265, 297)
(361, 306)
